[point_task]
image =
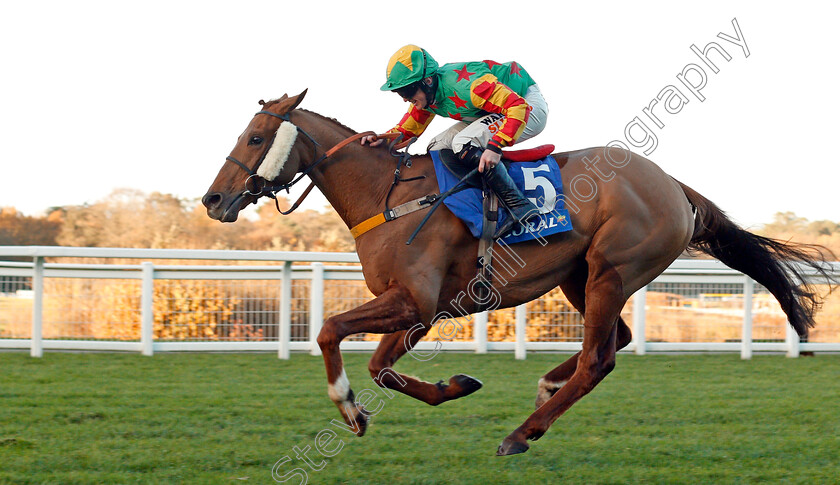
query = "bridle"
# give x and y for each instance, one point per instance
(264, 189)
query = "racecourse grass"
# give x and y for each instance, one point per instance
(228, 418)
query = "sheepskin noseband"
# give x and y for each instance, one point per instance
(276, 157)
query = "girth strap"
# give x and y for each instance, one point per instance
(390, 215)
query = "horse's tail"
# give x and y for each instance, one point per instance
(780, 266)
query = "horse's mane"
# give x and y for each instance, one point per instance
(268, 104)
(335, 121)
(351, 130)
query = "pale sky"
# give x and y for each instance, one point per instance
(151, 95)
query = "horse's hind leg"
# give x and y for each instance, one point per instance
(394, 346)
(393, 310)
(604, 301)
(575, 290)
(555, 379)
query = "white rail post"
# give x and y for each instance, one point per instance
(36, 339)
(480, 332)
(639, 314)
(147, 316)
(746, 331)
(285, 330)
(521, 317)
(316, 307)
(792, 341)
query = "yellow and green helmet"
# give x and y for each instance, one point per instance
(407, 66)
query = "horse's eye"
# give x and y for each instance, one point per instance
(255, 140)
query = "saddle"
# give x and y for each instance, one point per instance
(450, 161)
(490, 205)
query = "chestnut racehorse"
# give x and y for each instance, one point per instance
(631, 225)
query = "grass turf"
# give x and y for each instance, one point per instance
(228, 418)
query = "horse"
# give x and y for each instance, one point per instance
(632, 224)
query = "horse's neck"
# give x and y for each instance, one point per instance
(356, 178)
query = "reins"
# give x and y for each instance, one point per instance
(270, 191)
(389, 214)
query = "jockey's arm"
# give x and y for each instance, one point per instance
(412, 124)
(490, 95)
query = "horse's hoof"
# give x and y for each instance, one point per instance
(467, 384)
(355, 418)
(362, 423)
(511, 447)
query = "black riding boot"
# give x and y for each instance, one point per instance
(520, 208)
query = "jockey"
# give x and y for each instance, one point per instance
(495, 105)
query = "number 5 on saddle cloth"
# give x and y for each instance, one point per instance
(477, 206)
(539, 180)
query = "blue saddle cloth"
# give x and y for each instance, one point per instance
(540, 181)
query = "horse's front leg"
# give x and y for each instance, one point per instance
(395, 309)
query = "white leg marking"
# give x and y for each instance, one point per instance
(340, 389)
(546, 389)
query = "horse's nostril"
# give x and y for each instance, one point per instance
(211, 201)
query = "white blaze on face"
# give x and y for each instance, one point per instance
(340, 389)
(276, 157)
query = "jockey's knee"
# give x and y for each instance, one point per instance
(461, 144)
(469, 155)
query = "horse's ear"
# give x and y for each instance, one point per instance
(298, 99)
(281, 98)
